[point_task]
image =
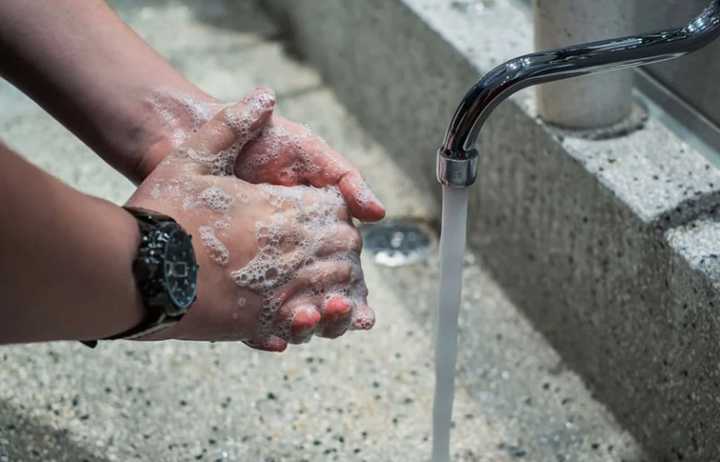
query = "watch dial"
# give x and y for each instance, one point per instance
(180, 269)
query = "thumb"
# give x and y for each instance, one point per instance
(216, 145)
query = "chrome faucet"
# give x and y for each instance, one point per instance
(457, 159)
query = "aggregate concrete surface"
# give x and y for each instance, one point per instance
(608, 246)
(365, 397)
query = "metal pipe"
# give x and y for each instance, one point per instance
(457, 159)
(589, 102)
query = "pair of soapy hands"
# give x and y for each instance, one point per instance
(279, 263)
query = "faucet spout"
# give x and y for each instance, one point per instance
(457, 159)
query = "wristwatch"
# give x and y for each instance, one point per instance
(165, 272)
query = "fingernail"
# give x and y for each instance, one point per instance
(337, 318)
(338, 307)
(304, 322)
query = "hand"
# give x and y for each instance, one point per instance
(284, 153)
(277, 264)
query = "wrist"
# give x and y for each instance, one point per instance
(125, 307)
(155, 122)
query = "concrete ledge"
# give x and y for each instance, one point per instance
(594, 239)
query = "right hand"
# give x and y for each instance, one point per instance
(277, 264)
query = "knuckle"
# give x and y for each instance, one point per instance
(354, 239)
(344, 273)
(343, 214)
(344, 238)
(337, 329)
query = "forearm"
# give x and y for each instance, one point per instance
(65, 260)
(79, 61)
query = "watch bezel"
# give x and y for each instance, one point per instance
(173, 306)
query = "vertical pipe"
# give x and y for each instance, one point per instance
(589, 102)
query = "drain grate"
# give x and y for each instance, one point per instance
(398, 242)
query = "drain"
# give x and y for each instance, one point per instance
(398, 242)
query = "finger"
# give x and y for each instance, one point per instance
(297, 319)
(316, 278)
(272, 344)
(288, 154)
(301, 319)
(304, 324)
(363, 318)
(337, 313)
(216, 145)
(341, 238)
(360, 199)
(363, 315)
(332, 169)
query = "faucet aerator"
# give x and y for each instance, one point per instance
(458, 170)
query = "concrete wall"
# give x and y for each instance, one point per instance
(607, 245)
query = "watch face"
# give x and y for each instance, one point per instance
(180, 269)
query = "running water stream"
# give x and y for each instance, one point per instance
(452, 253)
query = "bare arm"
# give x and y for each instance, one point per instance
(59, 280)
(79, 61)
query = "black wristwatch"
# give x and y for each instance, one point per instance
(165, 272)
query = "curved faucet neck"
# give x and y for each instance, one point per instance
(548, 66)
